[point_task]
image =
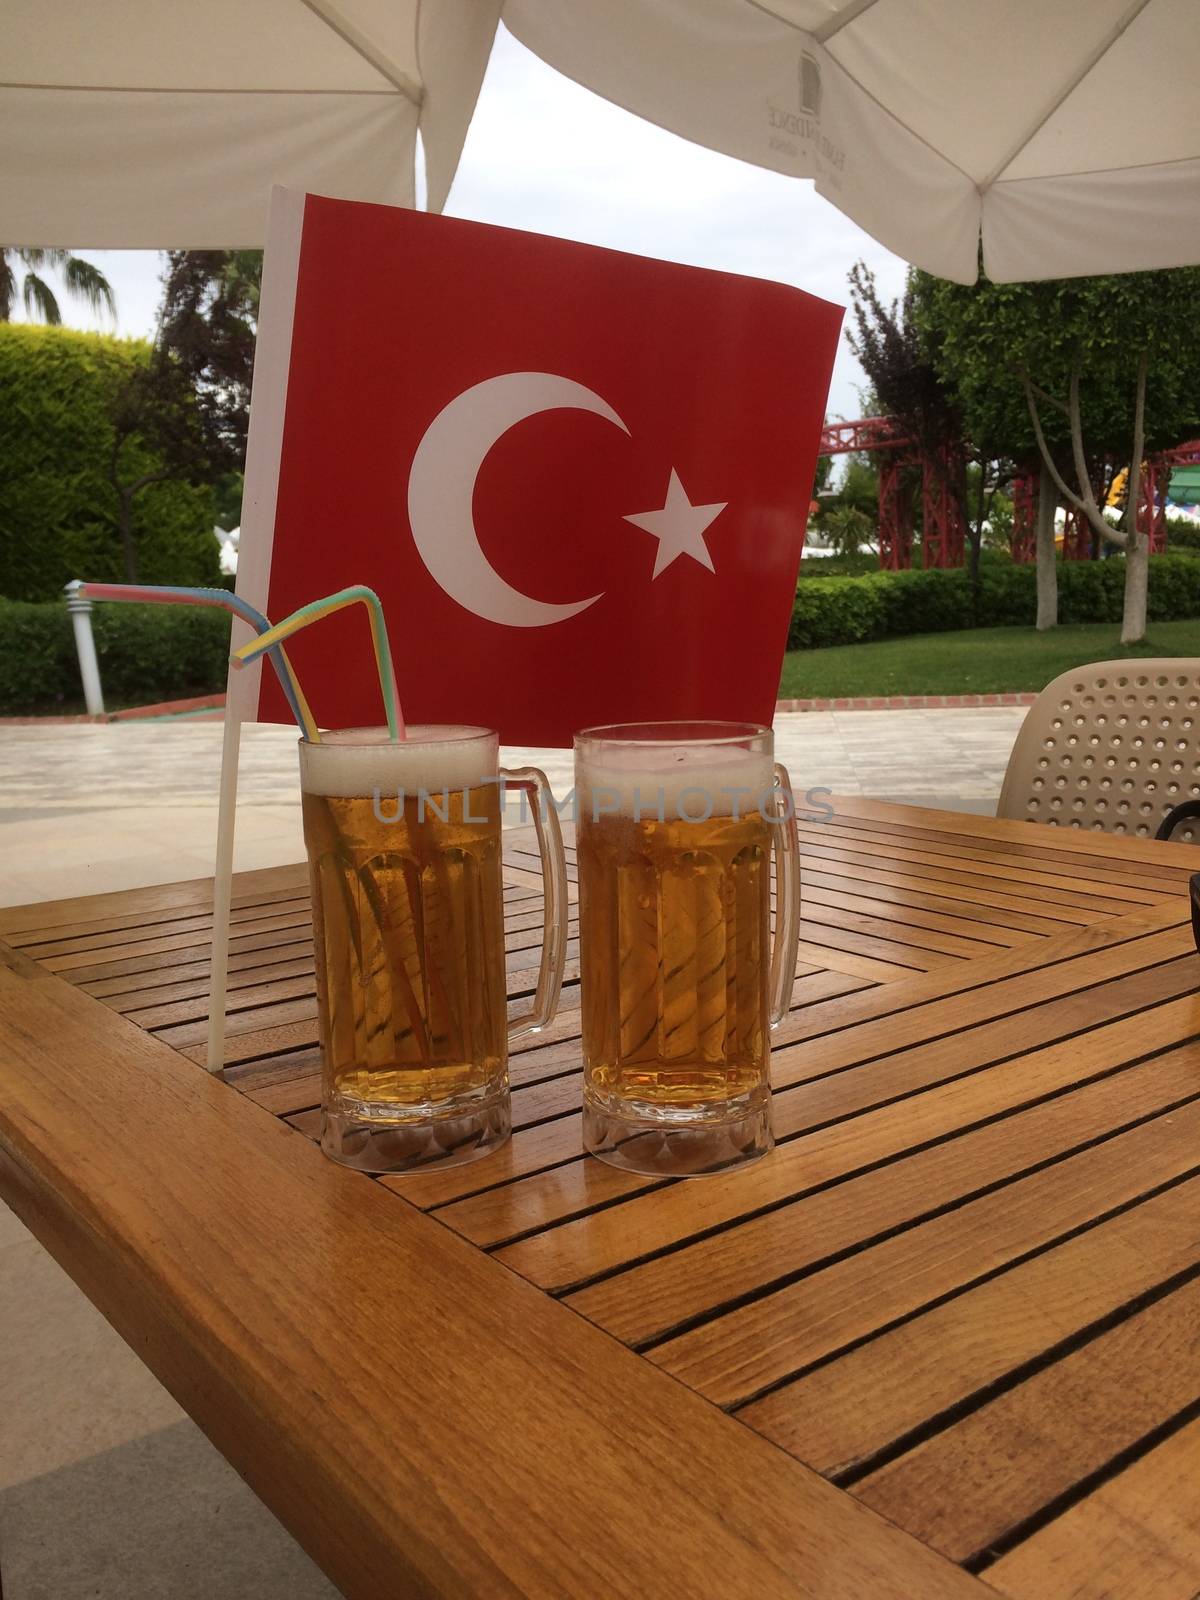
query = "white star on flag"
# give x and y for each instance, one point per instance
(678, 527)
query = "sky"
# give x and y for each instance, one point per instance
(546, 155)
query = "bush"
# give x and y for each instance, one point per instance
(862, 564)
(58, 511)
(146, 653)
(848, 528)
(837, 610)
(1182, 534)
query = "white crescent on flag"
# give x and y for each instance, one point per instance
(441, 490)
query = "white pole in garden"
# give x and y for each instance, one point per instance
(85, 646)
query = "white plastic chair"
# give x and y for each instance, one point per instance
(1113, 746)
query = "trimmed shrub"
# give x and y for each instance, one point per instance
(884, 604)
(58, 511)
(830, 611)
(859, 565)
(146, 653)
(836, 611)
(150, 653)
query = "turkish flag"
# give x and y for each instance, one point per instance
(578, 479)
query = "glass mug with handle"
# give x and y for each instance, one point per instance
(681, 979)
(404, 853)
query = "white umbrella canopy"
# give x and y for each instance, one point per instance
(150, 123)
(1066, 133)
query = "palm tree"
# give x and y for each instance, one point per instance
(83, 280)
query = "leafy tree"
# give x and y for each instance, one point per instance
(898, 355)
(190, 401)
(894, 357)
(82, 279)
(207, 325)
(860, 485)
(848, 529)
(155, 407)
(58, 510)
(228, 500)
(1074, 373)
(999, 531)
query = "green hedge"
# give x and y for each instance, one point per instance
(832, 611)
(146, 653)
(58, 511)
(1183, 535)
(150, 653)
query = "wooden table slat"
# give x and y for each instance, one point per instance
(1035, 911)
(780, 1335)
(1086, 842)
(649, 1301)
(659, 1215)
(960, 1047)
(1063, 888)
(1114, 1389)
(1152, 877)
(847, 1412)
(1135, 1534)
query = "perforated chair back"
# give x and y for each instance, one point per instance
(1113, 746)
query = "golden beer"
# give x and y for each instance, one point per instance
(675, 846)
(404, 855)
(410, 950)
(675, 986)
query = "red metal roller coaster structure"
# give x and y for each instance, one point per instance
(1077, 533)
(942, 519)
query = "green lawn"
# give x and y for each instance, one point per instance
(973, 661)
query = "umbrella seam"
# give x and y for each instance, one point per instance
(900, 123)
(841, 19)
(1065, 93)
(416, 42)
(364, 48)
(1096, 172)
(848, 14)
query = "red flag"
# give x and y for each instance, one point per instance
(579, 479)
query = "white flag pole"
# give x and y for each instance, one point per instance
(277, 305)
(223, 872)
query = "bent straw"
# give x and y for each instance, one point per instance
(313, 612)
(168, 594)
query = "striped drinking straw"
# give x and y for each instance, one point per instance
(167, 594)
(313, 612)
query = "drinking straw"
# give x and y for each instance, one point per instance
(313, 612)
(167, 594)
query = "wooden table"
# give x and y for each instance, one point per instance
(943, 1342)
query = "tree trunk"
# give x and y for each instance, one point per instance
(1047, 567)
(976, 529)
(1083, 500)
(1137, 543)
(1137, 572)
(128, 545)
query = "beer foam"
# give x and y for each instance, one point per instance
(353, 762)
(677, 780)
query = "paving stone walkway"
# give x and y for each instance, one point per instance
(90, 808)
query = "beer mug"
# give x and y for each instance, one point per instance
(404, 855)
(681, 981)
